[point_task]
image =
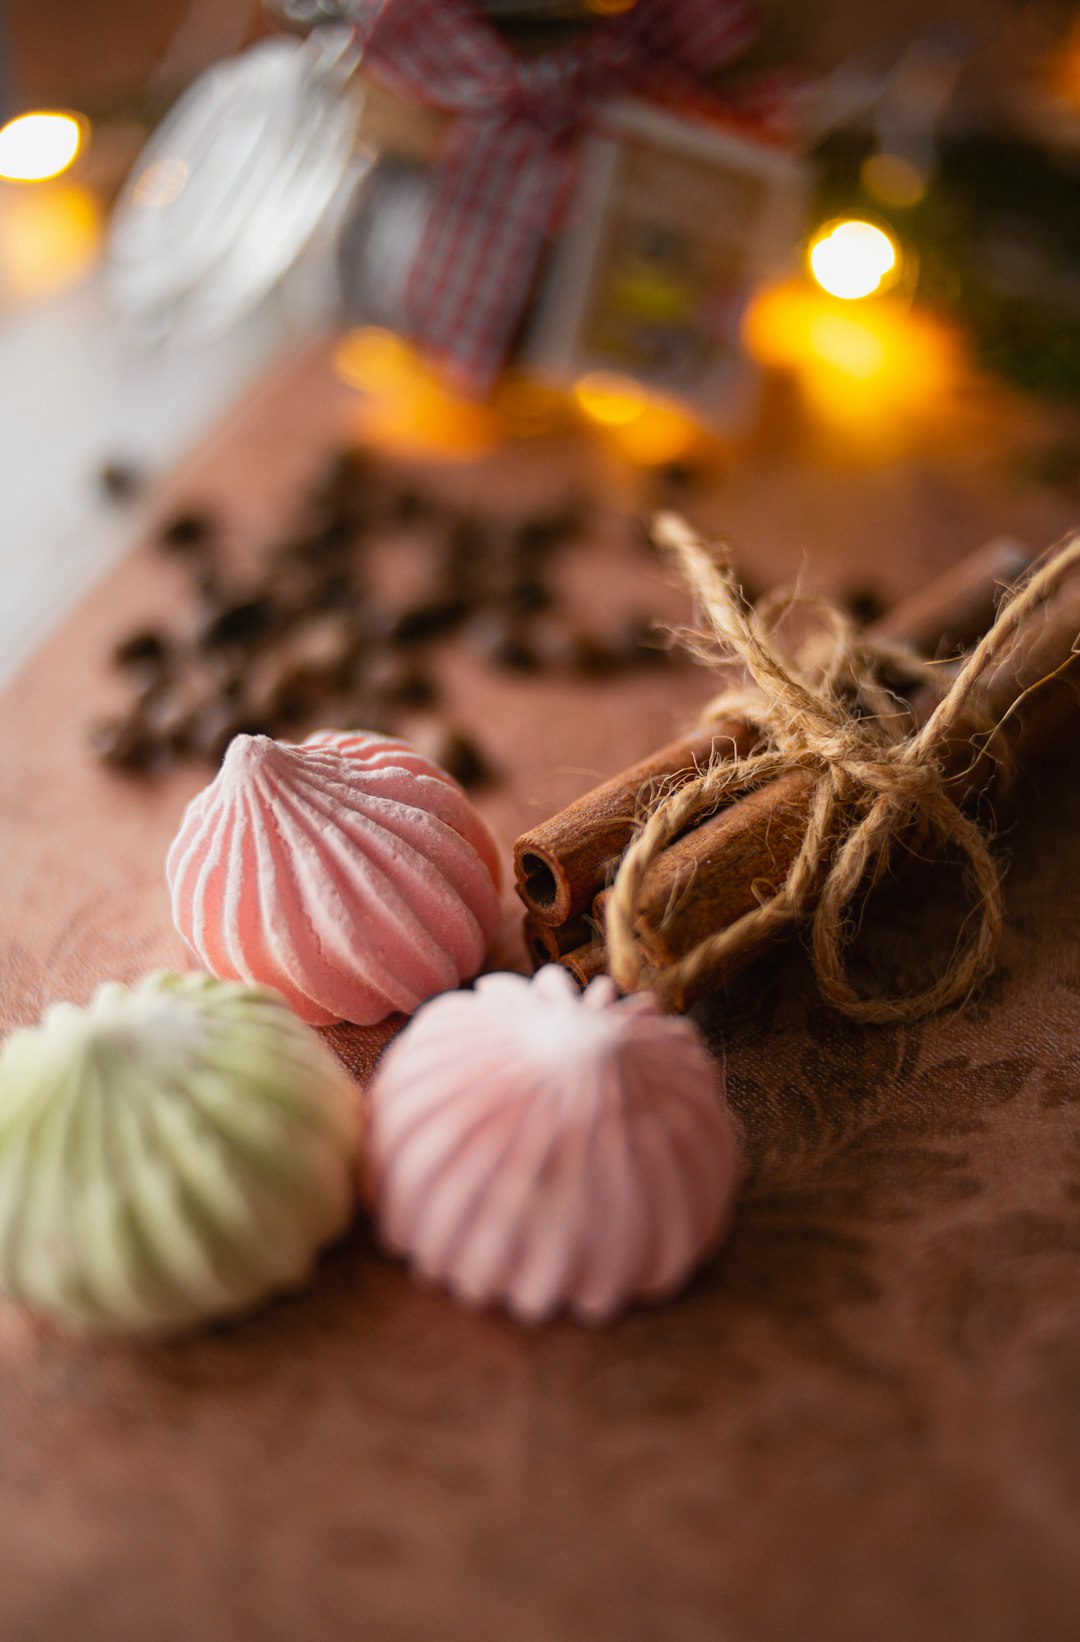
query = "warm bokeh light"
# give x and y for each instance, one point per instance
(645, 428)
(35, 147)
(406, 407)
(662, 433)
(1064, 72)
(50, 238)
(530, 409)
(374, 360)
(880, 373)
(892, 180)
(610, 399)
(852, 259)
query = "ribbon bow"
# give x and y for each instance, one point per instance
(508, 163)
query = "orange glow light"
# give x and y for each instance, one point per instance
(662, 433)
(874, 372)
(406, 407)
(1064, 73)
(610, 399)
(528, 408)
(50, 237)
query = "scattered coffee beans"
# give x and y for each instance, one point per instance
(306, 644)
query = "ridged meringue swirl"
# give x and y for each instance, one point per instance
(170, 1154)
(550, 1150)
(350, 873)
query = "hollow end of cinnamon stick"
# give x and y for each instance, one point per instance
(560, 865)
(543, 882)
(587, 962)
(547, 945)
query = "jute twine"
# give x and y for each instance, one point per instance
(873, 782)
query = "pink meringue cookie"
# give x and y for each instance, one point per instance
(551, 1150)
(350, 873)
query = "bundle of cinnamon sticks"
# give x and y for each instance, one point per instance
(731, 861)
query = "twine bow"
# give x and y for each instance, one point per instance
(872, 783)
(508, 161)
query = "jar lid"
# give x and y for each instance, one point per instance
(232, 185)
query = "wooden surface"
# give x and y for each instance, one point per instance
(862, 1419)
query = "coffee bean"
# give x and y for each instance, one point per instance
(334, 539)
(641, 644)
(169, 717)
(420, 623)
(145, 651)
(503, 642)
(461, 757)
(528, 596)
(391, 683)
(187, 532)
(593, 657)
(298, 697)
(541, 532)
(346, 475)
(864, 604)
(297, 551)
(680, 476)
(336, 592)
(127, 744)
(467, 540)
(289, 682)
(277, 693)
(457, 753)
(468, 558)
(224, 670)
(411, 505)
(243, 624)
(119, 480)
(516, 655)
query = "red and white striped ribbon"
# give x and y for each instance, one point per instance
(508, 164)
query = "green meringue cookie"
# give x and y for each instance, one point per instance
(172, 1153)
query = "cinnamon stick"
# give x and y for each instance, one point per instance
(949, 613)
(587, 962)
(733, 861)
(561, 865)
(546, 945)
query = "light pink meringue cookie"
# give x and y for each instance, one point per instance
(351, 873)
(551, 1150)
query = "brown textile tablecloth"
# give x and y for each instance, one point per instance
(862, 1421)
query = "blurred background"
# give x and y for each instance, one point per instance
(901, 249)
